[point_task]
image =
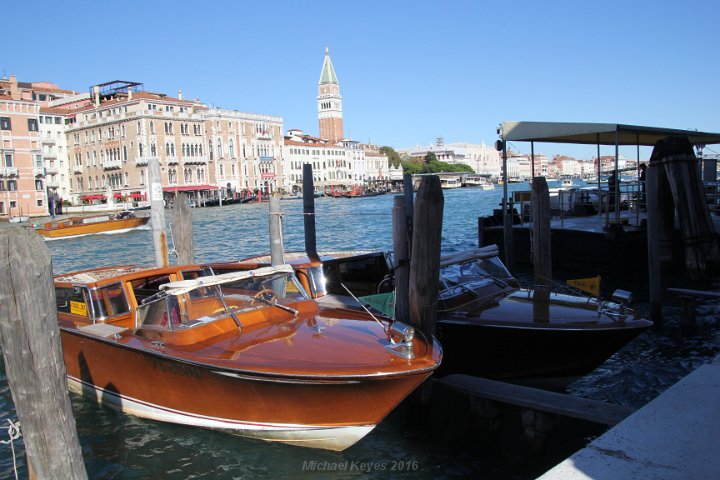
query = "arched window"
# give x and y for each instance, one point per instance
(152, 127)
(153, 151)
(231, 148)
(140, 150)
(219, 148)
(127, 179)
(210, 149)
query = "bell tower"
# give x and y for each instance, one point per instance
(329, 103)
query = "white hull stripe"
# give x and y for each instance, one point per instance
(334, 438)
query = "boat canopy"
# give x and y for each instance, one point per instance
(184, 286)
(597, 133)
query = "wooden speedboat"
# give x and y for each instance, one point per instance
(488, 325)
(106, 222)
(248, 352)
(478, 181)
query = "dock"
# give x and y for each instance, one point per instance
(675, 436)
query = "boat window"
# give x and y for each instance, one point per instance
(187, 310)
(316, 280)
(71, 300)
(197, 273)
(144, 288)
(109, 301)
(361, 275)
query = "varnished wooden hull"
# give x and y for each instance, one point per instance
(321, 412)
(96, 227)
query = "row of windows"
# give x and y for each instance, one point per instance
(6, 124)
(304, 151)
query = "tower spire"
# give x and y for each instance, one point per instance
(329, 102)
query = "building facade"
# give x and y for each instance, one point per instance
(22, 172)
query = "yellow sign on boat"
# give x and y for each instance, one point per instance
(590, 285)
(78, 308)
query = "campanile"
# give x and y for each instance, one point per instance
(329, 100)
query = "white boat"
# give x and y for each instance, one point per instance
(478, 181)
(566, 183)
(452, 182)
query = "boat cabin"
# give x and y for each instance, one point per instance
(164, 303)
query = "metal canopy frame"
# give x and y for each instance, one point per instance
(588, 134)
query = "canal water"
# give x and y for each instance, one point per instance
(443, 444)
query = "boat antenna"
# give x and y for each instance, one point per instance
(369, 312)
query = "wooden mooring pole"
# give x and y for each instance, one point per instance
(401, 259)
(33, 356)
(157, 213)
(182, 231)
(425, 261)
(309, 211)
(652, 183)
(276, 234)
(541, 247)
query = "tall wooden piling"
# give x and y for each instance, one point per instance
(33, 356)
(652, 184)
(541, 248)
(276, 234)
(401, 259)
(309, 211)
(409, 207)
(157, 213)
(182, 231)
(425, 261)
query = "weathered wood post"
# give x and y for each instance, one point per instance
(401, 259)
(157, 213)
(542, 254)
(309, 211)
(409, 207)
(425, 261)
(33, 356)
(652, 183)
(276, 234)
(182, 231)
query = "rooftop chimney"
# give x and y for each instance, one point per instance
(129, 93)
(96, 90)
(180, 94)
(14, 93)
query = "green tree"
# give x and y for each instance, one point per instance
(393, 157)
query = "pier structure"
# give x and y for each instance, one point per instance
(604, 228)
(672, 437)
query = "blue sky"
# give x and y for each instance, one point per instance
(409, 71)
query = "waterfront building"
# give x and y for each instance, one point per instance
(483, 159)
(330, 161)
(246, 150)
(564, 166)
(116, 133)
(22, 172)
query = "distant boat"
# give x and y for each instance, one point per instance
(478, 181)
(107, 222)
(448, 183)
(566, 183)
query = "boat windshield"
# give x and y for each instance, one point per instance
(189, 303)
(474, 282)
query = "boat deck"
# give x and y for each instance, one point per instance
(672, 437)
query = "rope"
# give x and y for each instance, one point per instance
(13, 434)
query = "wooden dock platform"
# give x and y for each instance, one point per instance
(537, 399)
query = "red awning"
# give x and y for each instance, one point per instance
(185, 188)
(136, 195)
(92, 197)
(118, 195)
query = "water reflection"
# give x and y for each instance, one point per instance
(118, 446)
